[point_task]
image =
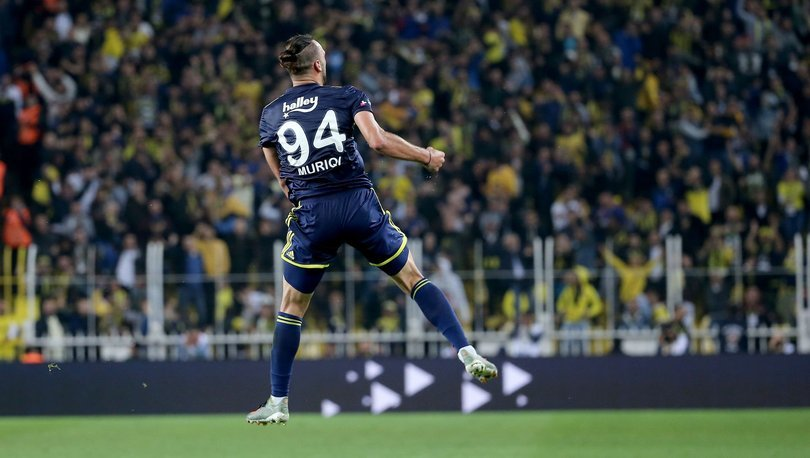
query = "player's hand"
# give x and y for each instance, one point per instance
(436, 159)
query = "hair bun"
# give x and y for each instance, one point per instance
(293, 58)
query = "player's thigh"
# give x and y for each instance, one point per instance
(310, 248)
(371, 230)
(311, 238)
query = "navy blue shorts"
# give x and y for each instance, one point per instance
(318, 226)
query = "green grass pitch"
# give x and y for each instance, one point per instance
(736, 433)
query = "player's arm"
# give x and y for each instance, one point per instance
(392, 145)
(275, 166)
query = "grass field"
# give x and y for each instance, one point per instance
(737, 433)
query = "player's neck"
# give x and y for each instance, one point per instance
(306, 80)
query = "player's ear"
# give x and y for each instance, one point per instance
(318, 66)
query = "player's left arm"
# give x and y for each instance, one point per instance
(275, 166)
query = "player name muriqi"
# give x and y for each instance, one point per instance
(320, 166)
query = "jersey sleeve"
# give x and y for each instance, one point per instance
(358, 100)
(266, 134)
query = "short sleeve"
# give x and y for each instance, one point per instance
(266, 134)
(358, 100)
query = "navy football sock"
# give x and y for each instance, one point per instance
(439, 312)
(286, 339)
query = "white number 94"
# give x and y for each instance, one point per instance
(300, 144)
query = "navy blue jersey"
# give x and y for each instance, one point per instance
(311, 127)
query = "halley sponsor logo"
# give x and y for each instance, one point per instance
(304, 105)
(320, 166)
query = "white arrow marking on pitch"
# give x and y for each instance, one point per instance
(383, 398)
(473, 397)
(514, 378)
(329, 408)
(416, 379)
(373, 370)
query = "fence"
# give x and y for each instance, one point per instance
(175, 347)
(358, 313)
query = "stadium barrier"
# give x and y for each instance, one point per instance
(316, 345)
(332, 386)
(414, 334)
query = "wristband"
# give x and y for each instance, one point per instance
(430, 157)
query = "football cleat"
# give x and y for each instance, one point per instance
(476, 365)
(274, 410)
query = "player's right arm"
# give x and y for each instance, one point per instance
(392, 145)
(267, 138)
(275, 166)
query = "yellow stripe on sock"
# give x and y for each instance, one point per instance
(289, 318)
(285, 320)
(293, 318)
(418, 286)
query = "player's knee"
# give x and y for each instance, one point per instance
(294, 302)
(294, 307)
(409, 275)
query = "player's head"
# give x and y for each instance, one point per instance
(304, 57)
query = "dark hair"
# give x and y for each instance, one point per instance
(298, 54)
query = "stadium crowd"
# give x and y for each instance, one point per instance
(605, 124)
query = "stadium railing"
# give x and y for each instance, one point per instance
(538, 334)
(316, 345)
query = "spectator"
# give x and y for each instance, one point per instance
(635, 317)
(127, 268)
(452, 286)
(525, 342)
(389, 321)
(517, 298)
(216, 263)
(731, 330)
(56, 87)
(16, 224)
(674, 337)
(579, 304)
(196, 346)
(791, 194)
(192, 293)
(240, 245)
(633, 275)
(10, 334)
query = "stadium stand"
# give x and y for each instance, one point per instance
(603, 125)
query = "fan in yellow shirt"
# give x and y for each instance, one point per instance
(578, 304)
(790, 193)
(633, 276)
(697, 196)
(215, 255)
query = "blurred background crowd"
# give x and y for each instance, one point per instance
(604, 124)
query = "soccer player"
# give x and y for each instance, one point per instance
(307, 138)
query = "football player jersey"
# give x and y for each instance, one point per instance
(311, 128)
